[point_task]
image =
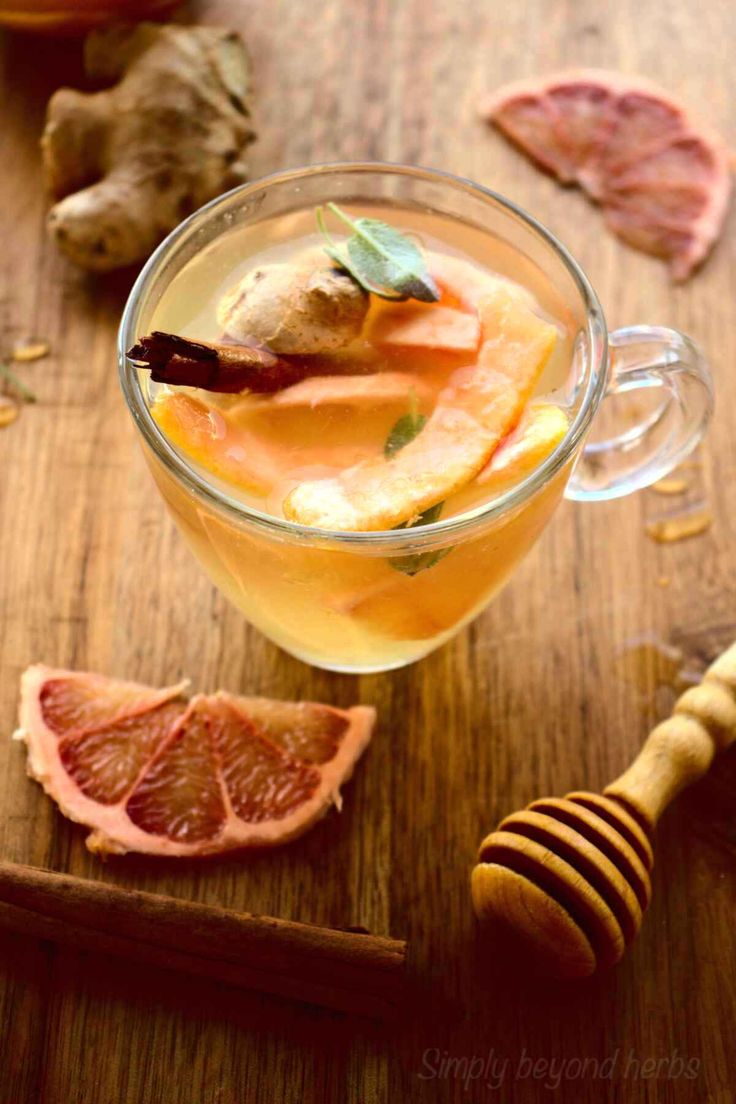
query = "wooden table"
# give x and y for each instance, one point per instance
(531, 699)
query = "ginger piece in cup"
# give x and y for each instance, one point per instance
(472, 416)
(294, 310)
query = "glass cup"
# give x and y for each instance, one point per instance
(355, 602)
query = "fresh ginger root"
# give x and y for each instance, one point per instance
(295, 309)
(133, 160)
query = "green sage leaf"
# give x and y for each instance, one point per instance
(421, 561)
(432, 513)
(380, 258)
(402, 432)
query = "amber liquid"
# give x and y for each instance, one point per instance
(349, 608)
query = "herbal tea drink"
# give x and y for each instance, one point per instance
(367, 390)
(358, 406)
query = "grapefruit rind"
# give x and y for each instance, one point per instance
(539, 432)
(473, 414)
(208, 437)
(356, 392)
(113, 831)
(469, 284)
(227, 443)
(413, 325)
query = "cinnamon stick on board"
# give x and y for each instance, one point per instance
(349, 971)
(212, 366)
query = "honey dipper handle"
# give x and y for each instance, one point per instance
(679, 750)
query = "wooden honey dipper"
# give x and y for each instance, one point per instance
(570, 876)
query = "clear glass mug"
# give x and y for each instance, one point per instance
(341, 600)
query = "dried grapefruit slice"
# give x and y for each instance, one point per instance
(662, 180)
(471, 417)
(149, 771)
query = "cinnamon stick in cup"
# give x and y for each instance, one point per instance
(224, 368)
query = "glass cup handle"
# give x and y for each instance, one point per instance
(656, 408)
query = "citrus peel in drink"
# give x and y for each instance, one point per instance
(481, 405)
(353, 392)
(538, 433)
(240, 441)
(209, 437)
(662, 179)
(151, 771)
(424, 326)
(465, 284)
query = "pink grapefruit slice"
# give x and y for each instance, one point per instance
(353, 392)
(662, 180)
(213, 440)
(538, 433)
(150, 771)
(465, 284)
(235, 442)
(473, 414)
(415, 325)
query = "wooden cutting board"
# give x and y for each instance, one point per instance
(533, 698)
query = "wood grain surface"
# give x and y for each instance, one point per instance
(532, 699)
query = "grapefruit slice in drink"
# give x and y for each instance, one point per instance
(662, 180)
(353, 394)
(482, 403)
(210, 438)
(425, 326)
(247, 444)
(151, 771)
(538, 433)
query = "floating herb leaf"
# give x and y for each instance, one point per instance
(402, 432)
(380, 258)
(432, 513)
(420, 561)
(407, 427)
